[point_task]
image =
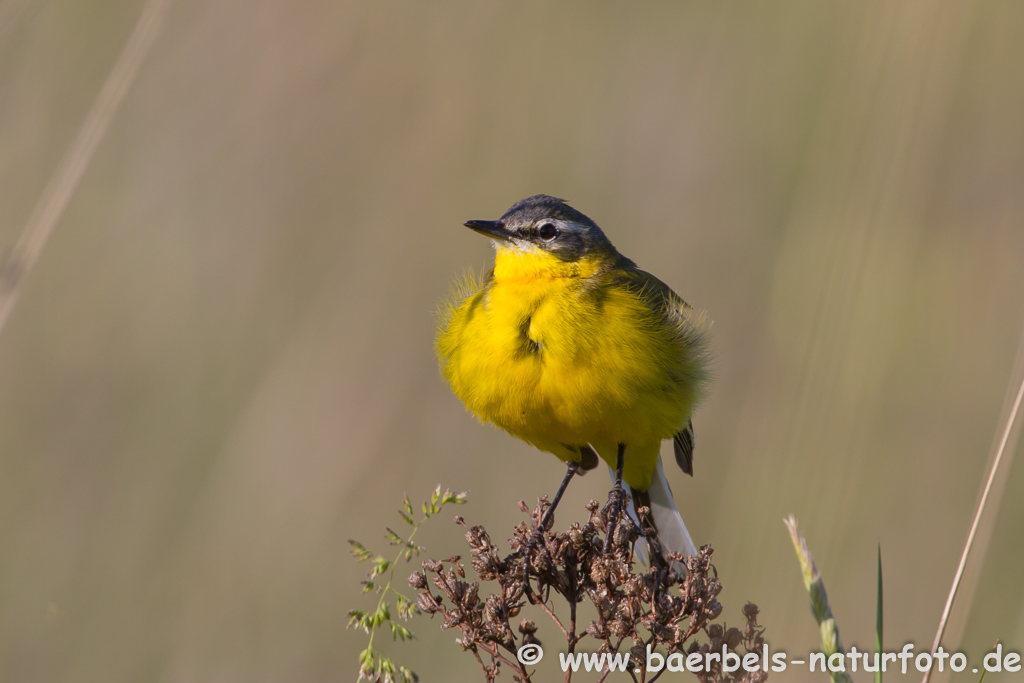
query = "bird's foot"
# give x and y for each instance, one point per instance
(617, 496)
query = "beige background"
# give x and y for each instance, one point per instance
(222, 367)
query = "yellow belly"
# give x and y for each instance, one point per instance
(558, 363)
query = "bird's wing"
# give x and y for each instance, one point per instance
(656, 293)
(690, 328)
(689, 323)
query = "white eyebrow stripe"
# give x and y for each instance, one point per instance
(568, 226)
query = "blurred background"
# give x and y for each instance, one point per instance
(222, 367)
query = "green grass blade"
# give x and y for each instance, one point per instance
(830, 643)
(878, 618)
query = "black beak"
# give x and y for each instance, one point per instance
(495, 229)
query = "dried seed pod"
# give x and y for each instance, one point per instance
(596, 631)
(427, 603)
(733, 638)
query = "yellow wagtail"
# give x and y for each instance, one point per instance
(569, 346)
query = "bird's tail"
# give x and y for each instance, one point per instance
(672, 531)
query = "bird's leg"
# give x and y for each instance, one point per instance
(617, 494)
(545, 522)
(648, 529)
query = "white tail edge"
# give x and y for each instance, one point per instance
(672, 531)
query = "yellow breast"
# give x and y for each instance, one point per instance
(557, 356)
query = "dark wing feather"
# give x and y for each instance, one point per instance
(683, 445)
(588, 458)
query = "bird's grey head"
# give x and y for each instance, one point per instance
(549, 224)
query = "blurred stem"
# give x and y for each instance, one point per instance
(1007, 430)
(72, 167)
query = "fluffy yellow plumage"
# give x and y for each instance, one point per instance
(567, 344)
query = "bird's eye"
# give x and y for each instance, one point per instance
(547, 231)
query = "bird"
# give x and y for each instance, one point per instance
(566, 344)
